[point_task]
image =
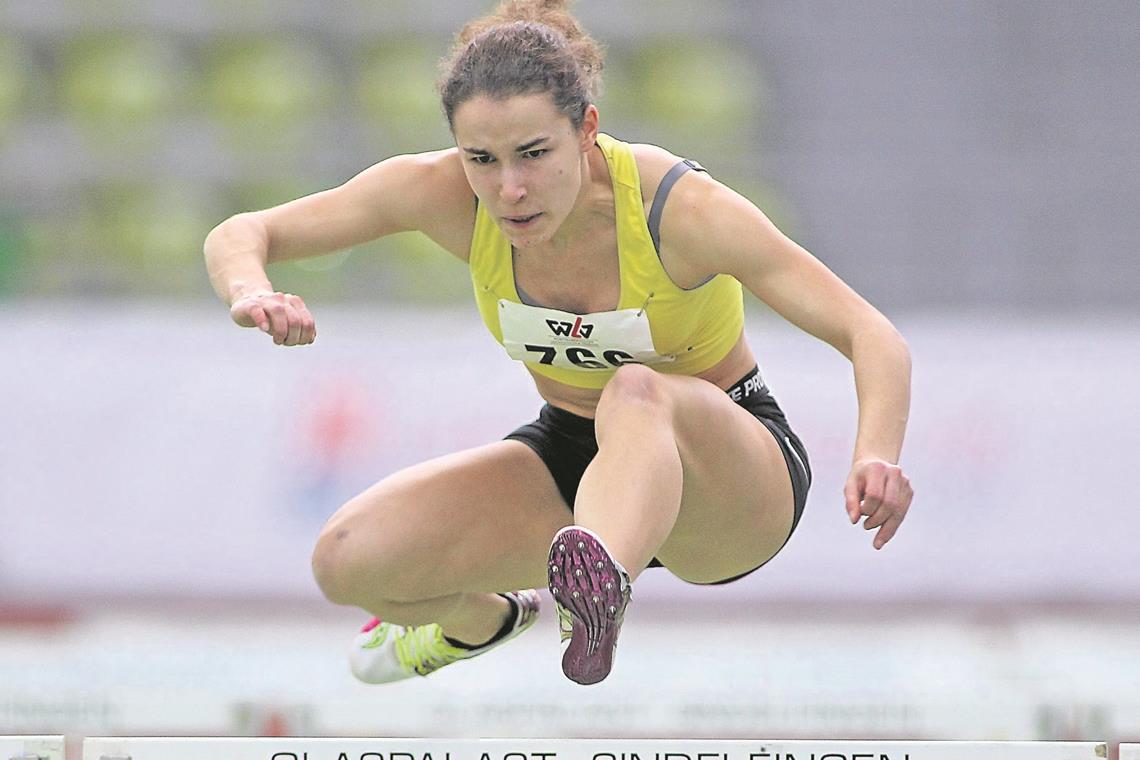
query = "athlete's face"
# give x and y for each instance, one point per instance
(524, 160)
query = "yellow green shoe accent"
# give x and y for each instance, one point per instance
(384, 652)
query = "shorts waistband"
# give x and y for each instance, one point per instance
(751, 384)
(567, 420)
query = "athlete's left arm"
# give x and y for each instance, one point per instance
(717, 230)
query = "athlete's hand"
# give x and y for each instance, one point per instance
(880, 491)
(283, 315)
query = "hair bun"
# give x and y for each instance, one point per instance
(524, 46)
(554, 14)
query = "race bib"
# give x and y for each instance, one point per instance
(602, 341)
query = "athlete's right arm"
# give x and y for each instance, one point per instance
(410, 192)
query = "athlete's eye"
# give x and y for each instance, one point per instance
(482, 159)
(534, 153)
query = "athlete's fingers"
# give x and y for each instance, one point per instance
(273, 316)
(278, 313)
(293, 325)
(887, 532)
(308, 332)
(245, 312)
(891, 504)
(296, 325)
(907, 492)
(258, 316)
(882, 514)
(852, 493)
(873, 491)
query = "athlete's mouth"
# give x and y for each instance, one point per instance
(522, 219)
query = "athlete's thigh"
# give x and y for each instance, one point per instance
(737, 503)
(476, 520)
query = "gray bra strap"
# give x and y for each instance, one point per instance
(663, 189)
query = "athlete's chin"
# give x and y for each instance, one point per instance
(529, 240)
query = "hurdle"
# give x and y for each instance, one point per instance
(1130, 752)
(31, 748)
(170, 748)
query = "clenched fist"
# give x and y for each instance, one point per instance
(282, 315)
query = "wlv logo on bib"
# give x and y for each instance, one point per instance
(575, 329)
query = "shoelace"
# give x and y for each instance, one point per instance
(422, 649)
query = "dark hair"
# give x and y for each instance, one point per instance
(524, 47)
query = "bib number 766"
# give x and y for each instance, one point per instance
(580, 357)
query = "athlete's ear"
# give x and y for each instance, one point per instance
(589, 128)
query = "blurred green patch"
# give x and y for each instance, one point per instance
(258, 195)
(12, 260)
(619, 103)
(396, 94)
(264, 89)
(118, 83)
(123, 238)
(703, 93)
(424, 272)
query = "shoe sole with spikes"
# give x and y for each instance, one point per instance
(594, 589)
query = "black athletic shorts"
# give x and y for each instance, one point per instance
(566, 444)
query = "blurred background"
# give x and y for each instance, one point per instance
(969, 167)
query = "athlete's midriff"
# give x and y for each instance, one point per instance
(584, 401)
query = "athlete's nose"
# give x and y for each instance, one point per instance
(511, 189)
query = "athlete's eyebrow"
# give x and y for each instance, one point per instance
(532, 144)
(520, 149)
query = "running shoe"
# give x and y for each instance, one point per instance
(591, 591)
(385, 652)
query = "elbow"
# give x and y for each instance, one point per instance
(220, 232)
(892, 335)
(240, 231)
(891, 338)
(238, 222)
(895, 345)
(881, 336)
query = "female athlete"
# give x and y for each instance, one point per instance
(614, 272)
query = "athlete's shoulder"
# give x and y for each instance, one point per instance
(412, 177)
(437, 172)
(436, 185)
(694, 208)
(653, 163)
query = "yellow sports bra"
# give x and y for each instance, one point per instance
(656, 322)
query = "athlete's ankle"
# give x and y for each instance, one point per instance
(505, 629)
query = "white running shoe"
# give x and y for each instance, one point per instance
(385, 652)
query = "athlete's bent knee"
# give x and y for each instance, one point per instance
(358, 560)
(632, 384)
(350, 560)
(330, 566)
